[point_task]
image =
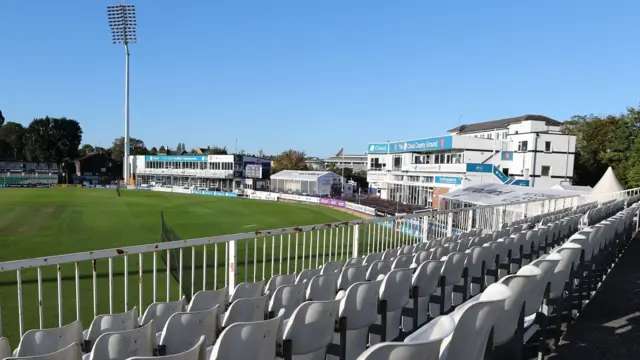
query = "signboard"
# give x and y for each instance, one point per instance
(333, 202)
(452, 180)
(507, 156)
(253, 171)
(178, 158)
(437, 143)
(479, 168)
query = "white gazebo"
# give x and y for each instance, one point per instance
(608, 184)
(315, 183)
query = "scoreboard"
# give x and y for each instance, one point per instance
(253, 171)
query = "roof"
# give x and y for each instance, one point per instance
(569, 187)
(302, 175)
(502, 123)
(347, 157)
(501, 194)
(92, 154)
(608, 184)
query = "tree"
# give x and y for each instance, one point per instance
(290, 160)
(86, 149)
(181, 147)
(1, 119)
(153, 151)
(216, 150)
(53, 140)
(261, 154)
(136, 148)
(12, 135)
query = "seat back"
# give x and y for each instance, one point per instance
(311, 325)
(287, 298)
(426, 277)
(46, 341)
(395, 288)
(160, 312)
(354, 261)
(246, 310)
(453, 268)
(183, 330)
(380, 267)
(322, 287)
(570, 253)
(547, 265)
(121, 345)
(402, 262)
(207, 299)
(420, 257)
(247, 290)
(70, 352)
(474, 320)
(277, 281)
(306, 275)
(360, 304)
(520, 285)
(331, 267)
(110, 323)
(197, 352)
(369, 259)
(351, 275)
(5, 349)
(248, 340)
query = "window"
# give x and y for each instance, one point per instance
(397, 162)
(547, 146)
(505, 171)
(545, 171)
(523, 145)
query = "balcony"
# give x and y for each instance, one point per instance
(448, 168)
(214, 174)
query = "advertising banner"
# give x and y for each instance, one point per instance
(214, 193)
(360, 208)
(333, 202)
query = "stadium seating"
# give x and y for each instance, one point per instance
(461, 297)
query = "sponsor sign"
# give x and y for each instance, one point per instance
(177, 158)
(500, 175)
(260, 195)
(437, 143)
(451, 180)
(378, 148)
(214, 193)
(507, 156)
(360, 208)
(521, 183)
(479, 168)
(333, 202)
(300, 198)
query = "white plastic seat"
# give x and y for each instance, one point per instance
(322, 287)
(310, 329)
(248, 340)
(182, 331)
(306, 275)
(331, 267)
(424, 344)
(369, 259)
(377, 268)
(247, 290)
(287, 298)
(402, 262)
(478, 259)
(474, 321)
(70, 352)
(351, 275)
(570, 253)
(390, 254)
(110, 323)
(277, 281)
(121, 345)
(419, 258)
(160, 312)
(357, 261)
(46, 341)
(394, 291)
(425, 279)
(359, 306)
(197, 352)
(452, 272)
(513, 312)
(5, 349)
(246, 310)
(208, 299)
(405, 250)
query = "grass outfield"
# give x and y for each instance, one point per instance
(44, 222)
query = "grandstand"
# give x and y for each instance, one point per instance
(497, 290)
(25, 173)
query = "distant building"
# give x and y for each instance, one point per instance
(529, 150)
(23, 173)
(95, 168)
(339, 160)
(314, 183)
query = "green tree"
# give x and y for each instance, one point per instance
(12, 134)
(86, 149)
(136, 148)
(216, 150)
(1, 119)
(290, 160)
(162, 149)
(153, 151)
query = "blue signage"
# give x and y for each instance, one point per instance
(437, 143)
(521, 183)
(479, 168)
(500, 175)
(452, 180)
(507, 156)
(178, 158)
(214, 193)
(378, 148)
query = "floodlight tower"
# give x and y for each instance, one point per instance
(122, 21)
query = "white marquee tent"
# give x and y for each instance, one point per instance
(304, 182)
(608, 184)
(500, 194)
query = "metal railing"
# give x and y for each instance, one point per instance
(115, 280)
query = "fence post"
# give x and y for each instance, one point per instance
(231, 263)
(450, 224)
(425, 228)
(470, 221)
(356, 237)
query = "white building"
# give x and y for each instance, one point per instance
(316, 183)
(528, 150)
(346, 161)
(211, 172)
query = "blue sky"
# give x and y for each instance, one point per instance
(315, 75)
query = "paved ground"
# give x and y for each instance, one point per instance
(609, 326)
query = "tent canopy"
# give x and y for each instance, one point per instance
(501, 194)
(608, 184)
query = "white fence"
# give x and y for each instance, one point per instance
(115, 280)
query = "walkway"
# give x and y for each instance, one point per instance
(609, 326)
